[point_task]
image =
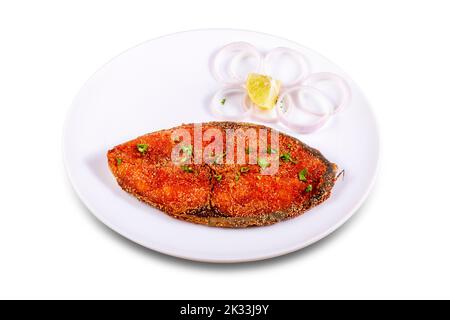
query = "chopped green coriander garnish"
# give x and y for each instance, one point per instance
(187, 149)
(289, 146)
(286, 157)
(308, 188)
(245, 169)
(222, 102)
(302, 175)
(270, 150)
(218, 177)
(263, 163)
(186, 168)
(236, 177)
(247, 150)
(142, 147)
(119, 161)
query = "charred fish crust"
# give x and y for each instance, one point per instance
(196, 195)
(212, 210)
(205, 212)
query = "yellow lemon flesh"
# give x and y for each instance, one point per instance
(263, 90)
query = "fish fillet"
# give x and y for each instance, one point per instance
(220, 194)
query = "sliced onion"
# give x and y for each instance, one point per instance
(242, 48)
(344, 89)
(284, 107)
(223, 93)
(298, 58)
(232, 66)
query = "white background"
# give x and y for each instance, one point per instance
(396, 246)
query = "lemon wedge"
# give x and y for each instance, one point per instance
(263, 90)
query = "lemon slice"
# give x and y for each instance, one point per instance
(263, 90)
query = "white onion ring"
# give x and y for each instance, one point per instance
(298, 57)
(221, 94)
(235, 61)
(232, 78)
(301, 128)
(235, 84)
(343, 86)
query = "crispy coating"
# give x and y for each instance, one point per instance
(217, 193)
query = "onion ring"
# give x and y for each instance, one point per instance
(221, 94)
(232, 78)
(236, 59)
(298, 57)
(301, 128)
(343, 86)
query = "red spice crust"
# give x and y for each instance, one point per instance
(199, 197)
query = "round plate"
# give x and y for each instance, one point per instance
(165, 82)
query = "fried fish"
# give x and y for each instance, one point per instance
(219, 192)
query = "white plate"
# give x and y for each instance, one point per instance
(165, 82)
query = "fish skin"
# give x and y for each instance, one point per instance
(199, 197)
